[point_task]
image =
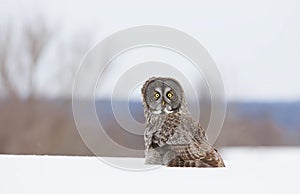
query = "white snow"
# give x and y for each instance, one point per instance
(249, 170)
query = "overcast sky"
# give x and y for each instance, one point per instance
(255, 44)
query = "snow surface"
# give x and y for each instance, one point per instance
(249, 170)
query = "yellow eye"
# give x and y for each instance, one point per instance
(170, 94)
(156, 95)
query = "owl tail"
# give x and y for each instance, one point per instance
(178, 162)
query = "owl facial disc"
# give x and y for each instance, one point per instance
(162, 95)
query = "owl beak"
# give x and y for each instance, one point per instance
(163, 102)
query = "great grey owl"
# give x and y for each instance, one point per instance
(172, 137)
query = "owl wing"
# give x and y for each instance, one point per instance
(187, 144)
(195, 155)
(153, 154)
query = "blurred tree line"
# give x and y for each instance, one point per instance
(32, 120)
(36, 118)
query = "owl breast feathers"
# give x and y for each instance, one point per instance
(172, 137)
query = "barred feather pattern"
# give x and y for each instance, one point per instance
(176, 140)
(186, 150)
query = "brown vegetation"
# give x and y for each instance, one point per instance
(30, 125)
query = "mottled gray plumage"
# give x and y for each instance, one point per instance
(172, 137)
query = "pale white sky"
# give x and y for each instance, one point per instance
(256, 44)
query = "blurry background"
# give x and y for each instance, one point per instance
(256, 45)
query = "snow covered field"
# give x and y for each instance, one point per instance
(249, 170)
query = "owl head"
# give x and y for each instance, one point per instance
(162, 95)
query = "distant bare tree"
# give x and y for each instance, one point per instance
(23, 49)
(5, 41)
(31, 123)
(37, 37)
(20, 54)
